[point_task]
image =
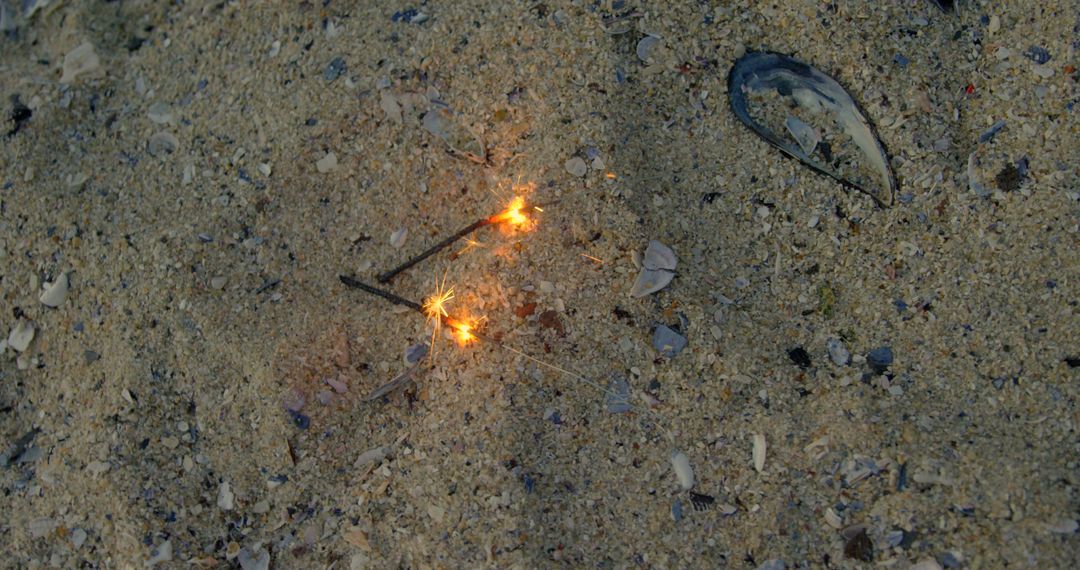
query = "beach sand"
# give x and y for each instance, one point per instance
(203, 172)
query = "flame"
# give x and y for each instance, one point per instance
(513, 215)
(463, 328)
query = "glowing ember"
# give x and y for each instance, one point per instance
(512, 214)
(464, 329)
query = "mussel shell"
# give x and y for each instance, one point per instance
(760, 71)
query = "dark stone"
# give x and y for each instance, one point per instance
(859, 547)
(334, 69)
(799, 356)
(1038, 54)
(880, 359)
(1009, 179)
(19, 114)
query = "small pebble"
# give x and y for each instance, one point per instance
(799, 357)
(992, 131)
(668, 342)
(576, 166)
(415, 353)
(397, 239)
(949, 560)
(327, 163)
(676, 510)
(258, 560)
(21, 335)
(680, 463)
(880, 359)
(838, 352)
(1037, 54)
(225, 497)
(78, 538)
(618, 395)
(300, 420)
(334, 69)
(774, 564)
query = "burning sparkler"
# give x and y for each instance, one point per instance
(513, 217)
(434, 308)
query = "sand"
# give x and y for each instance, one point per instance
(205, 172)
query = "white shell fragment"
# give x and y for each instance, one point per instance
(21, 335)
(162, 143)
(683, 472)
(82, 60)
(397, 239)
(225, 497)
(808, 137)
(658, 269)
(160, 113)
(646, 46)
(56, 292)
(759, 452)
(373, 455)
(659, 256)
(327, 163)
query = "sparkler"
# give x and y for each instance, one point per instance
(513, 216)
(435, 309)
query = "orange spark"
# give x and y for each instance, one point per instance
(610, 175)
(435, 307)
(469, 244)
(591, 258)
(513, 215)
(463, 328)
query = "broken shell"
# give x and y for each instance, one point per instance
(657, 269)
(55, 293)
(651, 281)
(459, 140)
(82, 60)
(415, 353)
(162, 143)
(659, 256)
(762, 73)
(759, 452)
(21, 335)
(576, 167)
(397, 239)
(646, 46)
(683, 472)
(808, 137)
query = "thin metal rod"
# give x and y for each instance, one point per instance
(385, 277)
(381, 293)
